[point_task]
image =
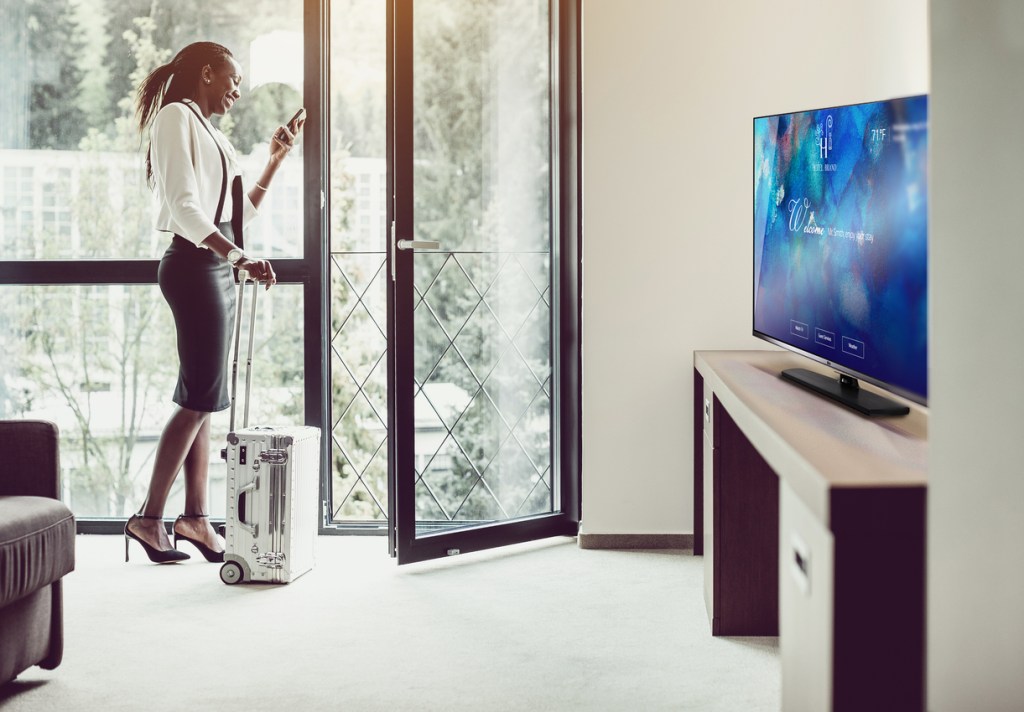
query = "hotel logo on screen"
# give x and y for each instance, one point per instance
(824, 135)
(825, 138)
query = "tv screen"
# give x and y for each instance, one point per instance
(841, 239)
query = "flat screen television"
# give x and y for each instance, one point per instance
(841, 246)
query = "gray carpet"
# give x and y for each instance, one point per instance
(541, 626)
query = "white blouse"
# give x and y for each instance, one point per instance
(188, 174)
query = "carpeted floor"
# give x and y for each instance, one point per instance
(541, 626)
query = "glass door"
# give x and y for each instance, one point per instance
(473, 294)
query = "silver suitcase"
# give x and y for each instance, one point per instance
(273, 486)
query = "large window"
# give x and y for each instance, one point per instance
(98, 358)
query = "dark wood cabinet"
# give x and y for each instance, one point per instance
(745, 592)
(813, 529)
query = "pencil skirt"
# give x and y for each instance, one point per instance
(199, 287)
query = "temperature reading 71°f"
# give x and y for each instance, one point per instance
(878, 134)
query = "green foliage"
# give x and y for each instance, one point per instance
(172, 25)
(54, 43)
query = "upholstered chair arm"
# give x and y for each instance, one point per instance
(29, 458)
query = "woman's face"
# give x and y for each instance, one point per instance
(223, 87)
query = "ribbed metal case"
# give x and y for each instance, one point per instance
(273, 494)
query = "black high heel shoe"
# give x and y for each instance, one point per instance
(157, 556)
(210, 555)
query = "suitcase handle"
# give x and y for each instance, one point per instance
(274, 477)
(253, 529)
(243, 277)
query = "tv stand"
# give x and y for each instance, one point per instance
(845, 390)
(811, 520)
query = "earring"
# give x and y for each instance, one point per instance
(207, 81)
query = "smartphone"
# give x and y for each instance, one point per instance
(300, 114)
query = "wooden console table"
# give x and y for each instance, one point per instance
(811, 520)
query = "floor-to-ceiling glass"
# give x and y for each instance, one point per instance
(473, 301)
(358, 256)
(482, 314)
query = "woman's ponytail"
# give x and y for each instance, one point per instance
(149, 98)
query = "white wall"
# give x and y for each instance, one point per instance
(670, 88)
(976, 471)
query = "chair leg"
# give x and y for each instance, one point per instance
(56, 654)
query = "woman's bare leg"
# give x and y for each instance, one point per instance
(197, 471)
(176, 442)
(197, 464)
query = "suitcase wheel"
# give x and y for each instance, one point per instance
(231, 573)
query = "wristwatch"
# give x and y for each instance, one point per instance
(235, 256)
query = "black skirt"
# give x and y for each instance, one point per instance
(199, 286)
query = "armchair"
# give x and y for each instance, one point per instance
(37, 547)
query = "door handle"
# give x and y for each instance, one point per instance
(408, 245)
(418, 245)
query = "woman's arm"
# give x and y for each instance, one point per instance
(280, 144)
(260, 270)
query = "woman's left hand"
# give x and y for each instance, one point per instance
(284, 139)
(258, 270)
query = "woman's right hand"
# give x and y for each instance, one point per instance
(259, 270)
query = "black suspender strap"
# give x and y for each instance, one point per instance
(224, 180)
(236, 211)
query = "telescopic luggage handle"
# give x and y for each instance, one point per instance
(243, 277)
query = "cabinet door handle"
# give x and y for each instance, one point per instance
(800, 564)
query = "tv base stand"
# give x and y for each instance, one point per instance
(845, 390)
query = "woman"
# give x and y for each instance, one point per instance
(190, 164)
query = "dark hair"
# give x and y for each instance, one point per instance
(175, 81)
